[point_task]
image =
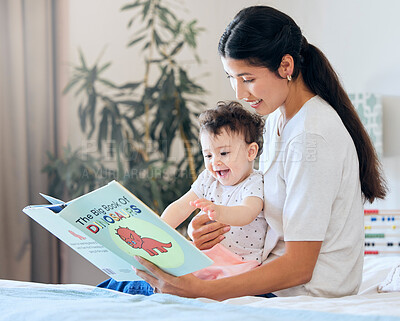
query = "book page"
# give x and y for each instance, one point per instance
(118, 220)
(94, 252)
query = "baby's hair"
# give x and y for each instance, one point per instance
(234, 118)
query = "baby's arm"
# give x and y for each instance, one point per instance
(238, 215)
(179, 210)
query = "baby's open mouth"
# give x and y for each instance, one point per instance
(223, 173)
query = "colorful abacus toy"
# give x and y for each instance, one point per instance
(382, 232)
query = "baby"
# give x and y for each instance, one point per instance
(229, 190)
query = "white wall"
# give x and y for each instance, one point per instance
(361, 38)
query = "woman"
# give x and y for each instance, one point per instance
(319, 166)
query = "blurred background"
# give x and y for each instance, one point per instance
(95, 90)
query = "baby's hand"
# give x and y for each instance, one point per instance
(206, 206)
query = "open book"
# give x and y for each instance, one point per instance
(111, 225)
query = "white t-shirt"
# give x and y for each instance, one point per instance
(246, 241)
(312, 192)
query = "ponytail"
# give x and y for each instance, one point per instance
(262, 36)
(320, 78)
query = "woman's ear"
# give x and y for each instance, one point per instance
(252, 151)
(286, 67)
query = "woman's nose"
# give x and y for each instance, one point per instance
(241, 91)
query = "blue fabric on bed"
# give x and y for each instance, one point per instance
(142, 287)
(100, 304)
(131, 287)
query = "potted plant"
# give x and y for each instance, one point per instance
(142, 119)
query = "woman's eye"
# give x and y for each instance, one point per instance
(248, 80)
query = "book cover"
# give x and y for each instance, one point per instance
(110, 225)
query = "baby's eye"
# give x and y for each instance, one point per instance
(207, 156)
(224, 153)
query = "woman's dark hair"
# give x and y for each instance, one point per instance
(234, 118)
(262, 35)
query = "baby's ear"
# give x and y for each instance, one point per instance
(252, 151)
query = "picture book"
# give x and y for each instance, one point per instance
(110, 225)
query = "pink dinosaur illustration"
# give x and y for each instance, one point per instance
(137, 242)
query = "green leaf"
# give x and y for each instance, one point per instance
(85, 85)
(120, 172)
(71, 84)
(132, 5)
(130, 85)
(190, 40)
(197, 57)
(82, 117)
(146, 8)
(169, 12)
(103, 129)
(107, 83)
(104, 67)
(92, 76)
(131, 124)
(135, 41)
(132, 103)
(116, 133)
(158, 40)
(178, 27)
(92, 112)
(147, 45)
(82, 58)
(130, 22)
(155, 61)
(149, 23)
(163, 16)
(177, 48)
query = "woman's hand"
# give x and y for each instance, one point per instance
(206, 233)
(187, 286)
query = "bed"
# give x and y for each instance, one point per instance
(36, 301)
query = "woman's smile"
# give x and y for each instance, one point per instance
(254, 103)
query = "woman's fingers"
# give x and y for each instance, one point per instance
(204, 241)
(147, 277)
(163, 282)
(206, 233)
(205, 244)
(157, 276)
(200, 220)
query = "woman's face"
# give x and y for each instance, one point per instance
(258, 86)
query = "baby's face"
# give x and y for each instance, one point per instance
(226, 156)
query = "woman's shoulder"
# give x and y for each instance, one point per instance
(319, 118)
(320, 115)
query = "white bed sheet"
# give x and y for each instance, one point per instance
(367, 303)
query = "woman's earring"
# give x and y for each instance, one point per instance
(289, 77)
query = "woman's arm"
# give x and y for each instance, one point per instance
(238, 215)
(293, 268)
(179, 210)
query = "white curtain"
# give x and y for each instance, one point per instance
(29, 126)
